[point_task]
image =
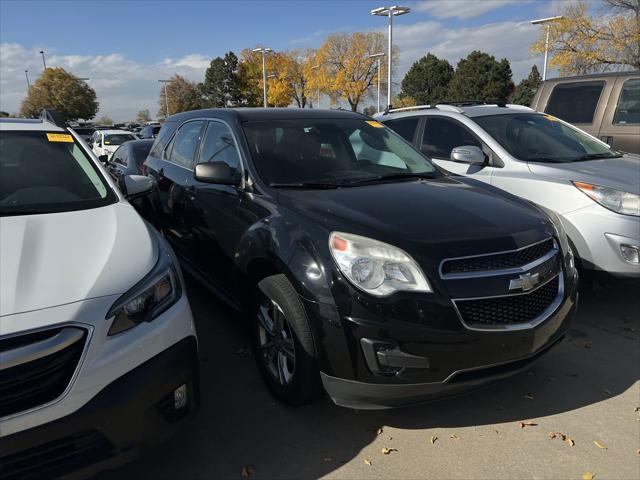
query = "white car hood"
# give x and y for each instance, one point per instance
(620, 173)
(60, 258)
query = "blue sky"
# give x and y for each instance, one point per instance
(124, 47)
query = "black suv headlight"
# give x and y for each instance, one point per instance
(151, 296)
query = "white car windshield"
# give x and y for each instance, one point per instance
(44, 172)
(117, 138)
(533, 137)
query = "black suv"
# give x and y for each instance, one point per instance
(365, 268)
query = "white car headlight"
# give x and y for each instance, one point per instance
(626, 203)
(376, 267)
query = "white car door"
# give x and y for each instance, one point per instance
(441, 135)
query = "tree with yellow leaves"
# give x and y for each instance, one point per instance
(346, 71)
(580, 43)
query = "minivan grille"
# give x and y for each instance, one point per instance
(498, 261)
(509, 310)
(39, 381)
(56, 458)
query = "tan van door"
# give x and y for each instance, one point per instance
(621, 121)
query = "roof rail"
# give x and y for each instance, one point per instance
(449, 108)
(407, 109)
(53, 116)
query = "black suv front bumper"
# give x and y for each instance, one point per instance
(127, 417)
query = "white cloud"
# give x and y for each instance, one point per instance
(123, 86)
(463, 9)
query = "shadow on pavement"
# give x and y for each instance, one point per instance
(240, 424)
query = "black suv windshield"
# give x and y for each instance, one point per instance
(44, 172)
(535, 137)
(316, 152)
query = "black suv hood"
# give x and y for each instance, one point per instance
(440, 218)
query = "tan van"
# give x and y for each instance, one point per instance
(606, 105)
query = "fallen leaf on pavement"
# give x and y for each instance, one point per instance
(367, 462)
(527, 424)
(380, 430)
(434, 438)
(588, 476)
(455, 437)
(636, 410)
(246, 471)
(639, 451)
(553, 435)
(530, 396)
(599, 445)
(387, 451)
(570, 441)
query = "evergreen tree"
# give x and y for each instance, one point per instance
(221, 86)
(526, 89)
(480, 76)
(427, 80)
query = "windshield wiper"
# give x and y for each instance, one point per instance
(302, 185)
(393, 176)
(596, 156)
(19, 212)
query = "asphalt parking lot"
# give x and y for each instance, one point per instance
(587, 389)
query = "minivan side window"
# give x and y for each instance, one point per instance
(185, 143)
(628, 109)
(219, 146)
(441, 135)
(405, 127)
(575, 102)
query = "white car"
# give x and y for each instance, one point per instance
(105, 142)
(98, 350)
(594, 189)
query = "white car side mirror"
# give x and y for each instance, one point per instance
(137, 186)
(468, 154)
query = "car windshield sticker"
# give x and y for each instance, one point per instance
(59, 137)
(375, 124)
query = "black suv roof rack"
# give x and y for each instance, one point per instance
(53, 116)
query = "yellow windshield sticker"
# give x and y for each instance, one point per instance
(375, 124)
(59, 137)
(551, 118)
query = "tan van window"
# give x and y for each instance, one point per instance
(575, 102)
(628, 110)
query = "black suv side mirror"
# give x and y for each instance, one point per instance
(216, 172)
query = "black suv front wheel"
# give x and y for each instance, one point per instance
(283, 343)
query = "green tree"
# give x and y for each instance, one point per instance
(143, 116)
(56, 88)
(480, 76)
(427, 80)
(222, 84)
(526, 89)
(4, 114)
(182, 95)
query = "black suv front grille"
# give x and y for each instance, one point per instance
(509, 310)
(56, 458)
(498, 261)
(28, 385)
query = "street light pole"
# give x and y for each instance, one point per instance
(377, 56)
(547, 23)
(390, 12)
(264, 51)
(317, 67)
(43, 61)
(166, 97)
(26, 74)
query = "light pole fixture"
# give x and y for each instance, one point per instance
(317, 67)
(378, 56)
(547, 22)
(390, 12)
(44, 63)
(264, 51)
(26, 74)
(166, 97)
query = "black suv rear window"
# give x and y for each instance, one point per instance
(575, 102)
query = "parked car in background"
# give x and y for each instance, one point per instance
(606, 105)
(105, 142)
(97, 343)
(595, 190)
(129, 158)
(363, 267)
(84, 132)
(150, 131)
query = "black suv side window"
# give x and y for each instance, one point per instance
(405, 127)
(441, 135)
(575, 102)
(219, 146)
(185, 143)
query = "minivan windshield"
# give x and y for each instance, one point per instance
(533, 137)
(332, 152)
(44, 172)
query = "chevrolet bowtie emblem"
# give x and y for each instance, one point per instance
(525, 282)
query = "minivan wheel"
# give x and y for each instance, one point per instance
(283, 343)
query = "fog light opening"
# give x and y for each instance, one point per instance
(630, 254)
(180, 397)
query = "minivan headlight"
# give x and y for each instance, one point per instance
(625, 203)
(376, 267)
(150, 297)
